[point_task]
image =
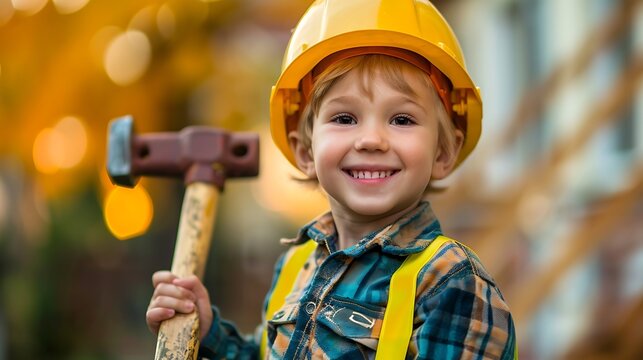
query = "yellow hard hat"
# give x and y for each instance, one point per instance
(332, 26)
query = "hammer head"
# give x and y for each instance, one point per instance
(196, 154)
(119, 151)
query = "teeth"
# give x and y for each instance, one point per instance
(362, 174)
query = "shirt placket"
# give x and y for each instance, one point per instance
(326, 276)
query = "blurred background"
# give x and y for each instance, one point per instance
(552, 200)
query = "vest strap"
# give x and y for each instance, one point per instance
(285, 283)
(397, 325)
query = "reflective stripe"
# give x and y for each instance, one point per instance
(398, 317)
(284, 285)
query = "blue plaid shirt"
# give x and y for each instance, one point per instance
(336, 308)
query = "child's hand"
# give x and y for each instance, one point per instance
(183, 295)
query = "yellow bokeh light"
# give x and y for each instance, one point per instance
(100, 41)
(45, 148)
(127, 57)
(143, 20)
(166, 21)
(69, 6)
(128, 212)
(74, 145)
(60, 147)
(6, 12)
(29, 7)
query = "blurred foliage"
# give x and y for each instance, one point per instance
(69, 289)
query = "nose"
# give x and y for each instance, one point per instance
(372, 137)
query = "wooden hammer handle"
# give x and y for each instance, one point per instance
(178, 337)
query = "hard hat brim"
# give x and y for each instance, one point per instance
(305, 59)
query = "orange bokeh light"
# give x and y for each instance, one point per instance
(128, 212)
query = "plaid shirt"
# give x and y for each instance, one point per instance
(336, 308)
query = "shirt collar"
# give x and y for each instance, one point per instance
(409, 234)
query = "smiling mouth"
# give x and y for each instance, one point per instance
(370, 174)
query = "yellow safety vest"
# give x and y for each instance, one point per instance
(397, 325)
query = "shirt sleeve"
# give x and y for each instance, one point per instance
(224, 341)
(464, 317)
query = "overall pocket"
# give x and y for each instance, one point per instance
(360, 323)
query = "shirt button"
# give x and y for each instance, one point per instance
(279, 314)
(310, 307)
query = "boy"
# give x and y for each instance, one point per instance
(374, 102)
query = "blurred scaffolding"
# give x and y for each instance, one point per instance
(551, 200)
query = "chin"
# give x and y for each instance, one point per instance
(374, 208)
(370, 211)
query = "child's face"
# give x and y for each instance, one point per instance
(374, 154)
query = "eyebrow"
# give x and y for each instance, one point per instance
(401, 100)
(342, 99)
(413, 101)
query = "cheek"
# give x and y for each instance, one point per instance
(324, 153)
(418, 152)
(327, 151)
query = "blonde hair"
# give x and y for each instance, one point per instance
(390, 68)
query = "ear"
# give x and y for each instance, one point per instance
(445, 160)
(303, 155)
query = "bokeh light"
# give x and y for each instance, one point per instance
(29, 7)
(60, 147)
(166, 21)
(100, 41)
(127, 57)
(143, 20)
(74, 145)
(69, 6)
(128, 212)
(6, 11)
(45, 147)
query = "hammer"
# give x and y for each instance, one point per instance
(204, 157)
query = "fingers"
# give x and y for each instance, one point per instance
(176, 304)
(155, 316)
(167, 300)
(162, 276)
(174, 297)
(195, 285)
(178, 295)
(202, 300)
(174, 291)
(198, 289)
(164, 287)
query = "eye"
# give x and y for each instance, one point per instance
(343, 119)
(402, 120)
